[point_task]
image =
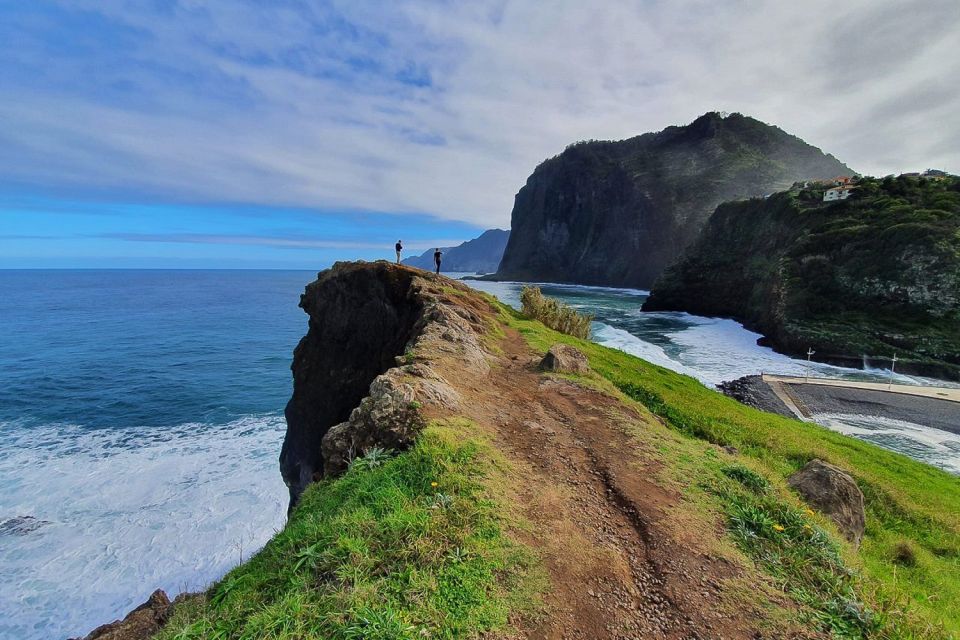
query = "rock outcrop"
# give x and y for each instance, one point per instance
(617, 213)
(362, 374)
(833, 492)
(562, 358)
(855, 280)
(141, 623)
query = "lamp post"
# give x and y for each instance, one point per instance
(810, 352)
(893, 368)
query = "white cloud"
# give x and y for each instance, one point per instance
(294, 103)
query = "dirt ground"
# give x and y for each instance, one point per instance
(597, 512)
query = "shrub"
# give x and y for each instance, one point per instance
(555, 314)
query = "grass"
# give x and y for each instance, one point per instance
(401, 547)
(554, 314)
(876, 591)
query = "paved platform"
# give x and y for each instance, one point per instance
(935, 407)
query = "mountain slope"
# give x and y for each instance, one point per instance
(873, 275)
(617, 213)
(480, 255)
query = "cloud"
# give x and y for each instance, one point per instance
(268, 241)
(445, 108)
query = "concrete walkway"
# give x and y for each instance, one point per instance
(939, 393)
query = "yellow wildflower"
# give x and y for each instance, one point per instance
(433, 484)
(778, 527)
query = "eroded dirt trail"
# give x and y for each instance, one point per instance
(595, 505)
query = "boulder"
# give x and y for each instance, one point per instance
(833, 492)
(140, 624)
(388, 418)
(562, 358)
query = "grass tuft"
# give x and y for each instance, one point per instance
(554, 314)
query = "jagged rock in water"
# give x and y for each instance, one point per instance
(141, 623)
(362, 375)
(617, 213)
(21, 525)
(562, 358)
(833, 492)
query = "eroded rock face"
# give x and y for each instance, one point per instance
(140, 624)
(833, 492)
(562, 358)
(362, 374)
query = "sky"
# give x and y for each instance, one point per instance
(292, 133)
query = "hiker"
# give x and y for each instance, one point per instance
(436, 258)
(399, 249)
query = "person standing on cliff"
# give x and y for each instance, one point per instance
(399, 249)
(436, 258)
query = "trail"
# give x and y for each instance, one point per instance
(597, 510)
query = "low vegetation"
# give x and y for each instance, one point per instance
(401, 547)
(555, 314)
(875, 275)
(903, 582)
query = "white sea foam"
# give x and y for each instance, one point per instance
(128, 511)
(934, 446)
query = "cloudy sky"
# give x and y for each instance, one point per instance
(291, 133)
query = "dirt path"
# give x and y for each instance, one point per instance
(615, 572)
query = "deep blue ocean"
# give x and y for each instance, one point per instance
(141, 418)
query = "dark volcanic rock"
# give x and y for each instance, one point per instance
(362, 374)
(754, 392)
(480, 255)
(617, 213)
(141, 623)
(361, 317)
(21, 525)
(832, 491)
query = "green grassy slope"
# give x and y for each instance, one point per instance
(399, 548)
(909, 561)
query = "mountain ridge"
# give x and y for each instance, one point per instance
(616, 213)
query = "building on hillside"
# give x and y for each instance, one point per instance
(842, 180)
(837, 193)
(934, 174)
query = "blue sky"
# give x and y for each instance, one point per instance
(232, 133)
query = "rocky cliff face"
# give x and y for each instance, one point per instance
(480, 255)
(356, 382)
(617, 213)
(867, 277)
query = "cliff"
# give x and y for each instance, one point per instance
(480, 255)
(856, 280)
(617, 213)
(450, 481)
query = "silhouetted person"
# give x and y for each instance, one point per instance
(436, 258)
(399, 249)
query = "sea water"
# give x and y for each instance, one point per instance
(140, 426)
(141, 423)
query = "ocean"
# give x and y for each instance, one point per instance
(141, 418)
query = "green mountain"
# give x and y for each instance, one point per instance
(617, 213)
(873, 275)
(480, 255)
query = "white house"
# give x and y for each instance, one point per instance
(837, 193)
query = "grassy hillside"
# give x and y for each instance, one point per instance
(909, 562)
(434, 542)
(873, 275)
(400, 548)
